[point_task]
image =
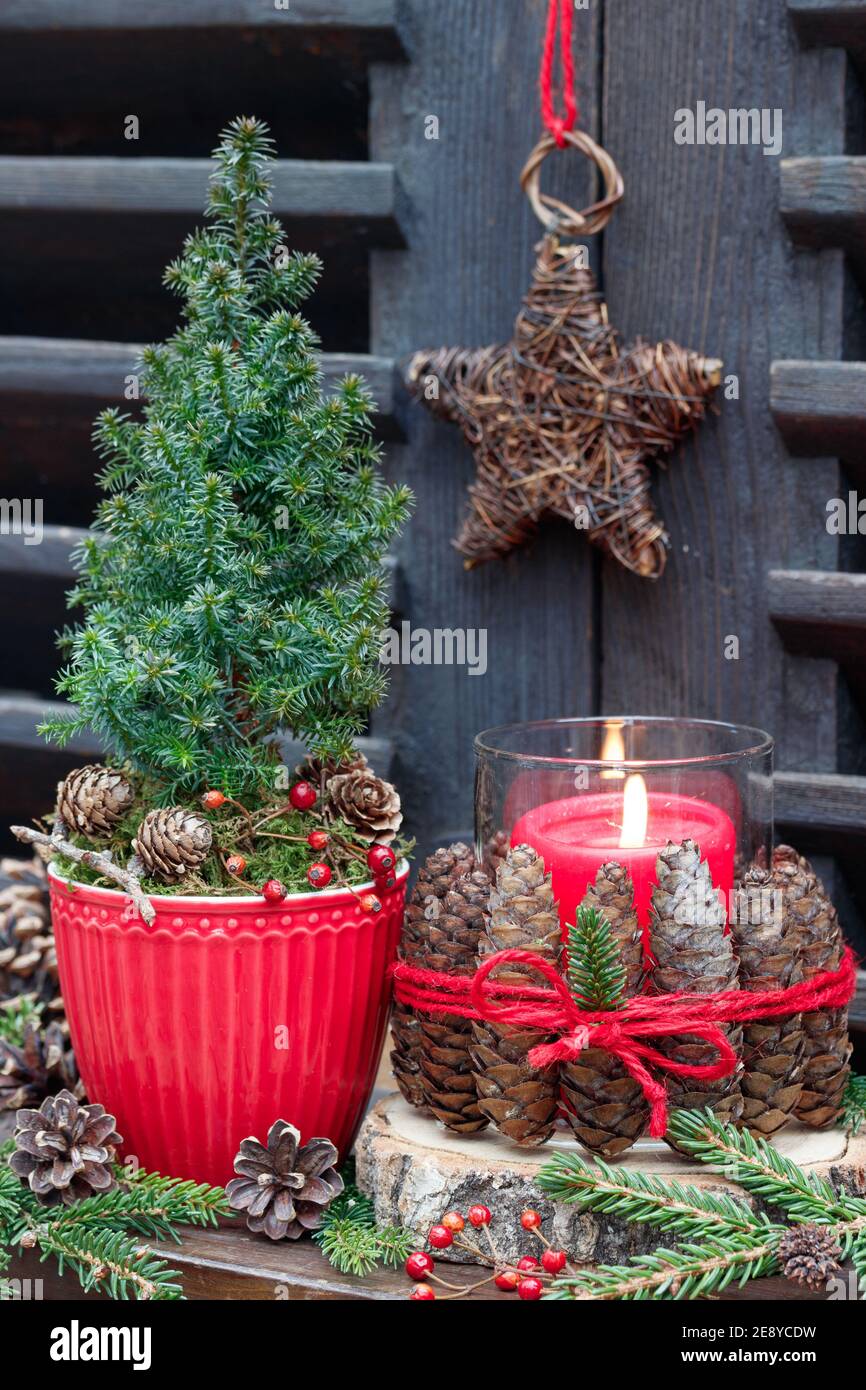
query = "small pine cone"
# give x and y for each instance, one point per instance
(605, 1106)
(171, 842)
(318, 773)
(455, 924)
(364, 801)
(767, 946)
(693, 953)
(64, 1150)
(827, 1047)
(43, 1065)
(809, 1255)
(93, 799)
(284, 1187)
(28, 959)
(521, 1101)
(434, 880)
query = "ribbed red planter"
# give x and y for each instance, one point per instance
(225, 1015)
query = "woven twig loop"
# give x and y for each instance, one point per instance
(557, 216)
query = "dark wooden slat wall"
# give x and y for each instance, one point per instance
(698, 251)
(471, 234)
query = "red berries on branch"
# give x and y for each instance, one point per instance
(212, 800)
(319, 875)
(302, 796)
(318, 839)
(273, 891)
(527, 1277)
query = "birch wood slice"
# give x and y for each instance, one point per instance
(415, 1170)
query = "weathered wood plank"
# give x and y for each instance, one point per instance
(823, 200)
(93, 370)
(825, 805)
(338, 190)
(830, 22)
(36, 15)
(820, 407)
(708, 264)
(461, 281)
(819, 613)
(46, 559)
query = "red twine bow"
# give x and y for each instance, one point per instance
(645, 1016)
(558, 10)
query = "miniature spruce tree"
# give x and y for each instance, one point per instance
(233, 584)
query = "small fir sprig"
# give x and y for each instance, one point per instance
(854, 1103)
(15, 1014)
(350, 1238)
(719, 1238)
(100, 1237)
(596, 973)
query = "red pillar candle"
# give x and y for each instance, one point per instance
(578, 833)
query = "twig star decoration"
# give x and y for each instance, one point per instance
(562, 422)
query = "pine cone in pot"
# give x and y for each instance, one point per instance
(43, 1065)
(93, 799)
(369, 805)
(171, 842)
(64, 1150)
(284, 1187)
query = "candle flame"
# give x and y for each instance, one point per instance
(612, 750)
(635, 811)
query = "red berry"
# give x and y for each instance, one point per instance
(453, 1221)
(236, 863)
(527, 1263)
(554, 1261)
(440, 1237)
(530, 1289)
(368, 902)
(419, 1265)
(303, 796)
(317, 839)
(479, 1216)
(319, 875)
(422, 1293)
(381, 859)
(273, 891)
(385, 882)
(507, 1280)
(212, 800)
(530, 1220)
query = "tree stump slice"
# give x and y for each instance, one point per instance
(414, 1170)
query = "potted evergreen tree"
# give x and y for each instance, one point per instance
(224, 923)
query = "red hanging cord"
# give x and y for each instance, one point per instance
(560, 10)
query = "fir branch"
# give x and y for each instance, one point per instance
(854, 1103)
(107, 1260)
(695, 1270)
(150, 1205)
(350, 1238)
(759, 1167)
(15, 1014)
(857, 1255)
(647, 1200)
(596, 972)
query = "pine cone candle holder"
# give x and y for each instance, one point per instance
(454, 927)
(827, 1047)
(520, 1101)
(693, 953)
(92, 799)
(64, 1150)
(171, 842)
(370, 805)
(434, 880)
(766, 940)
(284, 1187)
(605, 1106)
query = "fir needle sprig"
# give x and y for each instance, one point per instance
(596, 972)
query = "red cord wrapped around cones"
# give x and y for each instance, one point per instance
(625, 1032)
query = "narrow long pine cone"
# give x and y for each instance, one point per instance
(766, 940)
(605, 1106)
(434, 880)
(692, 952)
(827, 1047)
(454, 924)
(521, 1101)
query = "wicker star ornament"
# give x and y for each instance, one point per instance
(562, 420)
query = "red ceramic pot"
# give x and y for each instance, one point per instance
(225, 1015)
